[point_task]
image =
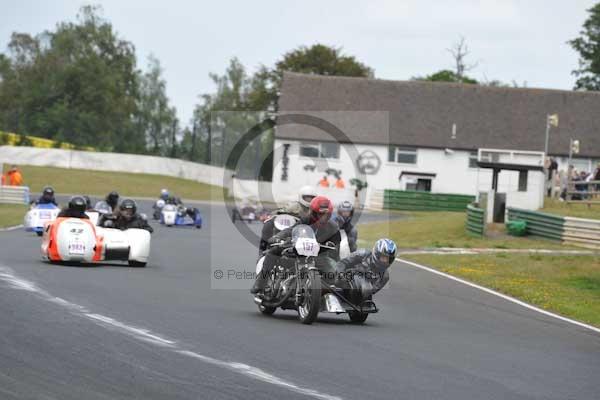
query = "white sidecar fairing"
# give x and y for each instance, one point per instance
(127, 245)
(38, 215)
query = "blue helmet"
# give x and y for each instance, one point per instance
(384, 247)
(164, 194)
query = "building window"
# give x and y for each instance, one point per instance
(330, 150)
(473, 159)
(522, 181)
(402, 155)
(421, 185)
(320, 150)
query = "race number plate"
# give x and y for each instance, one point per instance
(45, 214)
(284, 221)
(307, 247)
(76, 247)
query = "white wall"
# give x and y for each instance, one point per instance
(453, 174)
(115, 162)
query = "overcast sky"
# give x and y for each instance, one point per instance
(524, 40)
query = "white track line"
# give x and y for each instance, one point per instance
(15, 282)
(503, 296)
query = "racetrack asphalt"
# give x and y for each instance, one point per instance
(173, 331)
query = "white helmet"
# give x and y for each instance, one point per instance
(307, 193)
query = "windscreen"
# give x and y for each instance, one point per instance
(302, 231)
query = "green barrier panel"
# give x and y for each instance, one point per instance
(475, 224)
(539, 224)
(425, 201)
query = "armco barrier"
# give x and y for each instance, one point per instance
(582, 232)
(14, 194)
(475, 220)
(573, 231)
(539, 224)
(425, 201)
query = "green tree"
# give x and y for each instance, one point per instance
(154, 117)
(78, 83)
(459, 52)
(588, 47)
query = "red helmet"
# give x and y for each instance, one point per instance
(321, 209)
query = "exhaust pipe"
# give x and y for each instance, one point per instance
(257, 300)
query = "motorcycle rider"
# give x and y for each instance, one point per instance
(47, 196)
(374, 264)
(88, 203)
(125, 217)
(112, 199)
(345, 212)
(299, 209)
(75, 209)
(164, 194)
(326, 232)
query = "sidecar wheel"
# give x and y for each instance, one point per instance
(357, 317)
(137, 264)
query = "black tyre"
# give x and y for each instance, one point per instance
(39, 233)
(137, 264)
(357, 317)
(311, 301)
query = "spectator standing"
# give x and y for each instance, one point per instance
(339, 183)
(14, 176)
(324, 182)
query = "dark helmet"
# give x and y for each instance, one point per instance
(345, 210)
(320, 210)
(77, 203)
(48, 192)
(112, 199)
(384, 248)
(88, 202)
(127, 209)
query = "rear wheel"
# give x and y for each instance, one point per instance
(311, 298)
(357, 317)
(137, 264)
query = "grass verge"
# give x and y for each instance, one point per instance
(571, 210)
(99, 183)
(567, 285)
(12, 214)
(443, 229)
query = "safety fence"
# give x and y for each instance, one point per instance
(14, 194)
(475, 220)
(569, 230)
(425, 201)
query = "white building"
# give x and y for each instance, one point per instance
(421, 135)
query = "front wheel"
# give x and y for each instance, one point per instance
(357, 317)
(311, 298)
(40, 233)
(266, 310)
